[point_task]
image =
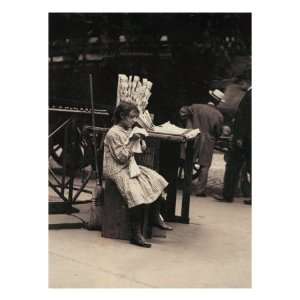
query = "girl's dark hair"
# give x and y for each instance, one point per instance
(124, 108)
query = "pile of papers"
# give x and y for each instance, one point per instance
(191, 133)
(134, 90)
(169, 128)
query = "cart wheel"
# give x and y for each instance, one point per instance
(76, 152)
(180, 174)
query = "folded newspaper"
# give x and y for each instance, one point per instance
(138, 130)
(136, 90)
(169, 128)
(191, 133)
(134, 169)
(137, 148)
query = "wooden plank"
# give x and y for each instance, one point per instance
(115, 221)
(168, 168)
(158, 135)
(187, 184)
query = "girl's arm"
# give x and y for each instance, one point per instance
(120, 147)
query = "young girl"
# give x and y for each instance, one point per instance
(144, 188)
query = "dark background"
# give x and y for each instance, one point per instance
(201, 47)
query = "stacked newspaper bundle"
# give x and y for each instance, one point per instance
(169, 128)
(132, 89)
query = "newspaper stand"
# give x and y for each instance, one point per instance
(169, 162)
(163, 155)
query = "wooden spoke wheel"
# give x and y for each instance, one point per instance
(195, 175)
(72, 148)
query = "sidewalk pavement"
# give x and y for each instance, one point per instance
(213, 251)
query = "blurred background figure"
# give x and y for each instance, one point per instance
(209, 120)
(240, 152)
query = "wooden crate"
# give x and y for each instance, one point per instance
(149, 158)
(115, 221)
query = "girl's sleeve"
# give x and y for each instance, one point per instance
(119, 147)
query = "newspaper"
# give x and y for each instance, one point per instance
(169, 128)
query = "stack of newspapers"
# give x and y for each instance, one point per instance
(134, 90)
(169, 128)
(138, 91)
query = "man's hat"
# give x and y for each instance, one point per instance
(217, 95)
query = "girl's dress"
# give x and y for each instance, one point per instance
(143, 189)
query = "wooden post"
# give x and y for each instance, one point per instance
(169, 162)
(187, 184)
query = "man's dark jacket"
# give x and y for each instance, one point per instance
(209, 120)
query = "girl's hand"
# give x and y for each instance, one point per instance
(135, 137)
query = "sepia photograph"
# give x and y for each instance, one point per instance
(149, 150)
(131, 150)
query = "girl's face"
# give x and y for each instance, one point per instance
(129, 120)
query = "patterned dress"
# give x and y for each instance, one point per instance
(143, 189)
